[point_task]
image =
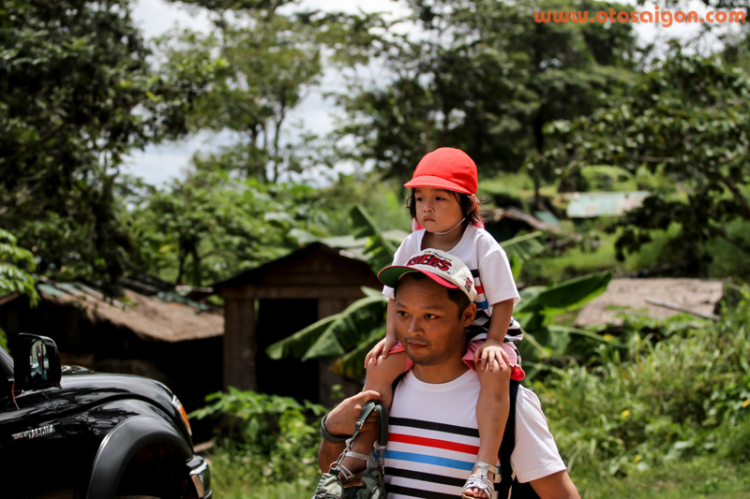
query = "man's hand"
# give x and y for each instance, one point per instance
(381, 350)
(340, 421)
(492, 355)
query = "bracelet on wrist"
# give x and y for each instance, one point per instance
(328, 437)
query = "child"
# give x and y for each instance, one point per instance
(443, 207)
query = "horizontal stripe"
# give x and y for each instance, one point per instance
(423, 494)
(433, 442)
(475, 273)
(431, 460)
(480, 289)
(425, 477)
(483, 305)
(430, 425)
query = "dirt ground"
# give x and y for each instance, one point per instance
(630, 295)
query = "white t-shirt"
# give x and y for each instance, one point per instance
(488, 263)
(433, 438)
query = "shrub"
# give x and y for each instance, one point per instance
(687, 395)
(266, 439)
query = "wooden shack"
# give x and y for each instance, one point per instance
(154, 333)
(275, 300)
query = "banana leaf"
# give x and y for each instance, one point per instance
(379, 248)
(371, 292)
(524, 248)
(350, 328)
(567, 295)
(352, 364)
(297, 344)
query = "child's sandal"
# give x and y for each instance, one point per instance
(346, 475)
(480, 480)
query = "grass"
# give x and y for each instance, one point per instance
(596, 253)
(702, 477)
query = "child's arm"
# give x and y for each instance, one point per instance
(384, 346)
(490, 353)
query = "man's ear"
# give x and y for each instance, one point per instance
(469, 313)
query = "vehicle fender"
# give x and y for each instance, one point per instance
(121, 444)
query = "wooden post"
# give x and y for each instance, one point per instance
(240, 346)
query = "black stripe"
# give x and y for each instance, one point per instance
(425, 477)
(424, 494)
(475, 273)
(429, 425)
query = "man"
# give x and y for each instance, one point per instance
(433, 437)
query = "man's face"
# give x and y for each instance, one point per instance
(428, 323)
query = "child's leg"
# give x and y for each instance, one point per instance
(493, 408)
(380, 377)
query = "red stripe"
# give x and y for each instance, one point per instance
(433, 442)
(480, 290)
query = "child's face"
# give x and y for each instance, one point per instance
(437, 210)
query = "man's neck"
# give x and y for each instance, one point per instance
(442, 373)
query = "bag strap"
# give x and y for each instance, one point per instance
(509, 441)
(510, 484)
(382, 414)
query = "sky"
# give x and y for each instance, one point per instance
(158, 164)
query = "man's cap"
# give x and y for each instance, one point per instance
(443, 268)
(446, 168)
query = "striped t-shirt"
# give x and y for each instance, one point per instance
(433, 439)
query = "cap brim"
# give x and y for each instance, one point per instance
(390, 276)
(437, 182)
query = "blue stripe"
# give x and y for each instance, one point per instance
(421, 458)
(483, 305)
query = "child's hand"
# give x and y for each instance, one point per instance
(492, 355)
(381, 350)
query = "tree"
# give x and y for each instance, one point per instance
(686, 121)
(76, 93)
(15, 265)
(271, 58)
(212, 225)
(486, 78)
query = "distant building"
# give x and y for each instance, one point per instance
(149, 331)
(652, 297)
(271, 302)
(599, 204)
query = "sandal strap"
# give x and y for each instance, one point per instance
(480, 480)
(357, 455)
(482, 465)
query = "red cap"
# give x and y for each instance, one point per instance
(446, 168)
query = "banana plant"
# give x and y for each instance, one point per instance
(543, 339)
(350, 334)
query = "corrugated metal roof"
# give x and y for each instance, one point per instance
(598, 204)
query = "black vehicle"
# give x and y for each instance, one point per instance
(70, 432)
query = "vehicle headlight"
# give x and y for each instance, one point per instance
(178, 405)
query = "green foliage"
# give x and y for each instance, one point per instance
(15, 263)
(486, 78)
(268, 60)
(268, 438)
(378, 248)
(213, 225)
(683, 397)
(76, 94)
(686, 121)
